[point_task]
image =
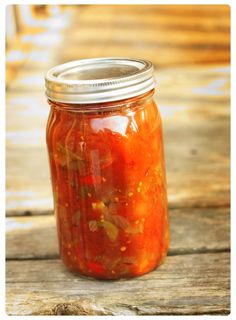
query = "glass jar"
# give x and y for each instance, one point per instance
(105, 145)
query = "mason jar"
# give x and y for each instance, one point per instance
(105, 146)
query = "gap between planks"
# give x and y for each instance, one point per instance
(171, 253)
(189, 284)
(30, 213)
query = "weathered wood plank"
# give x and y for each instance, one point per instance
(28, 182)
(192, 230)
(204, 25)
(187, 284)
(168, 16)
(199, 36)
(162, 55)
(197, 150)
(194, 103)
(209, 83)
(199, 11)
(148, 36)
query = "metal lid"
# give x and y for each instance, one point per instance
(99, 80)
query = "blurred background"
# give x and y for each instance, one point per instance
(190, 49)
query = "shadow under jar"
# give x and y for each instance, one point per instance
(105, 146)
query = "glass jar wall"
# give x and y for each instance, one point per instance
(109, 186)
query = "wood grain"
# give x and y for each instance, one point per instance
(165, 35)
(192, 231)
(190, 48)
(187, 284)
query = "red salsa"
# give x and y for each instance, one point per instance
(108, 179)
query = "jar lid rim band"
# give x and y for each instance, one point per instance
(99, 80)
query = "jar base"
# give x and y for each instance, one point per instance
(90, 275)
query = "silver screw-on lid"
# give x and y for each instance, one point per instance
(99, 80)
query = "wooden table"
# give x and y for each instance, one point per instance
(193, 96)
